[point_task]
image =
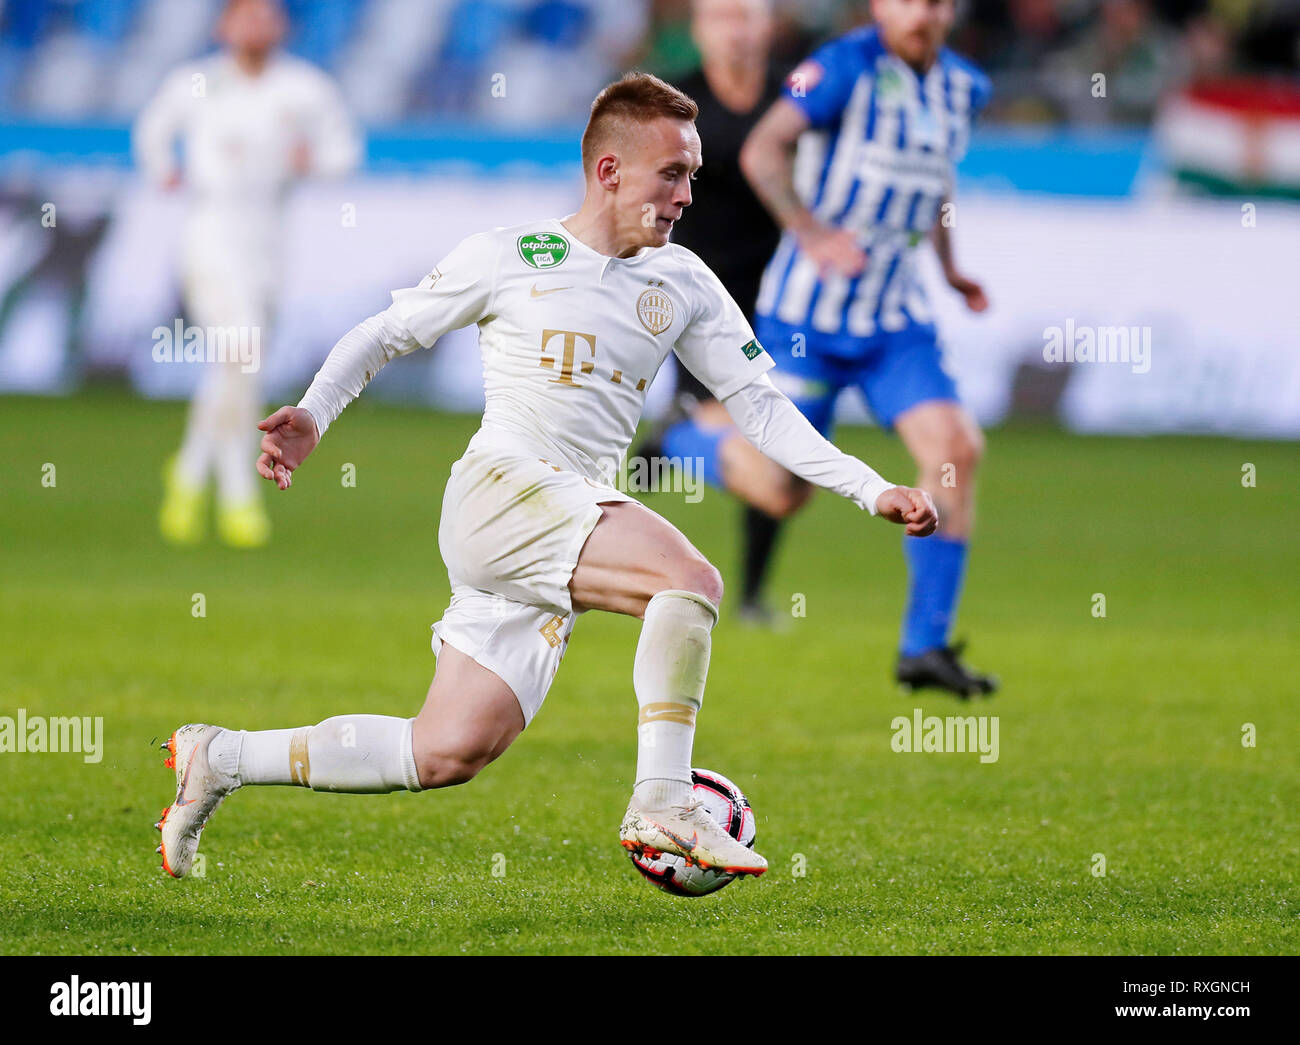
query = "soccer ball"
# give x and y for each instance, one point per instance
(727, 804)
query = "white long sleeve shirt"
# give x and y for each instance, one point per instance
(571, 339)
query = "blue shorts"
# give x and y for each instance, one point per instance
(894, 371)
(686, 439)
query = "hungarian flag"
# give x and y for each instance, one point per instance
(1238, 136)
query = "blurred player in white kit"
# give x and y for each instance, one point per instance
(251, 121)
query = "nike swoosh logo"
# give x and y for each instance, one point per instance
(534, 292)
(181, 800)
(688, 846)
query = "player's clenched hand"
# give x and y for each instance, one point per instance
(976, 299)
(833, 250)
(911, 507)
(290, 436)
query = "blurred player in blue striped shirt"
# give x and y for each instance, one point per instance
(880, 117)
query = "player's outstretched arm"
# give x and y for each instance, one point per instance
(292, 432)
(455, 294)
(774, 425)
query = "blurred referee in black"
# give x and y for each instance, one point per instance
(727, 226)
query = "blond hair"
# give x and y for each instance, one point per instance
(635, 99)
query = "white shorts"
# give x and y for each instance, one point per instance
(511, 532)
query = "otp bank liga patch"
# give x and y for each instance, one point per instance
(543, 250)
(752, 350)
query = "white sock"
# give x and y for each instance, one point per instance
(359, 754)
(672, 662)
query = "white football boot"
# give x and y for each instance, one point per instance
(199, 790)
(690, 832)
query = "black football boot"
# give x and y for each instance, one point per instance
(941, 668)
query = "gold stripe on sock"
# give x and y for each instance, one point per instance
(299, 761)
(665, 711)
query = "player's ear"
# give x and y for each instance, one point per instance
(607, 171)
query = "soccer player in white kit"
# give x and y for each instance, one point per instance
(251, 121)
(575, 317)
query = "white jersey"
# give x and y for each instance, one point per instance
(238, 134)
(571, 339)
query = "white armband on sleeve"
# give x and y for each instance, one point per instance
(773, 424)
(357, 357)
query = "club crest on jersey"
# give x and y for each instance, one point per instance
(543, 250)
(889, 84)
(655, 309)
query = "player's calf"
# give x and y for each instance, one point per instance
(452, 761)
(947, 445)
(470, 717)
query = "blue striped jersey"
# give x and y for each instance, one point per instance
(879, 159)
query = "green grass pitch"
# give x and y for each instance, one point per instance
(1119, 736)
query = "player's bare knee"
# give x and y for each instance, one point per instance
(970, 448)
(696, 574)
(955, 456)
(448, 770)
(429, 766)
(780, 505)
(790, 497)
(458, 771)
(454, 761)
